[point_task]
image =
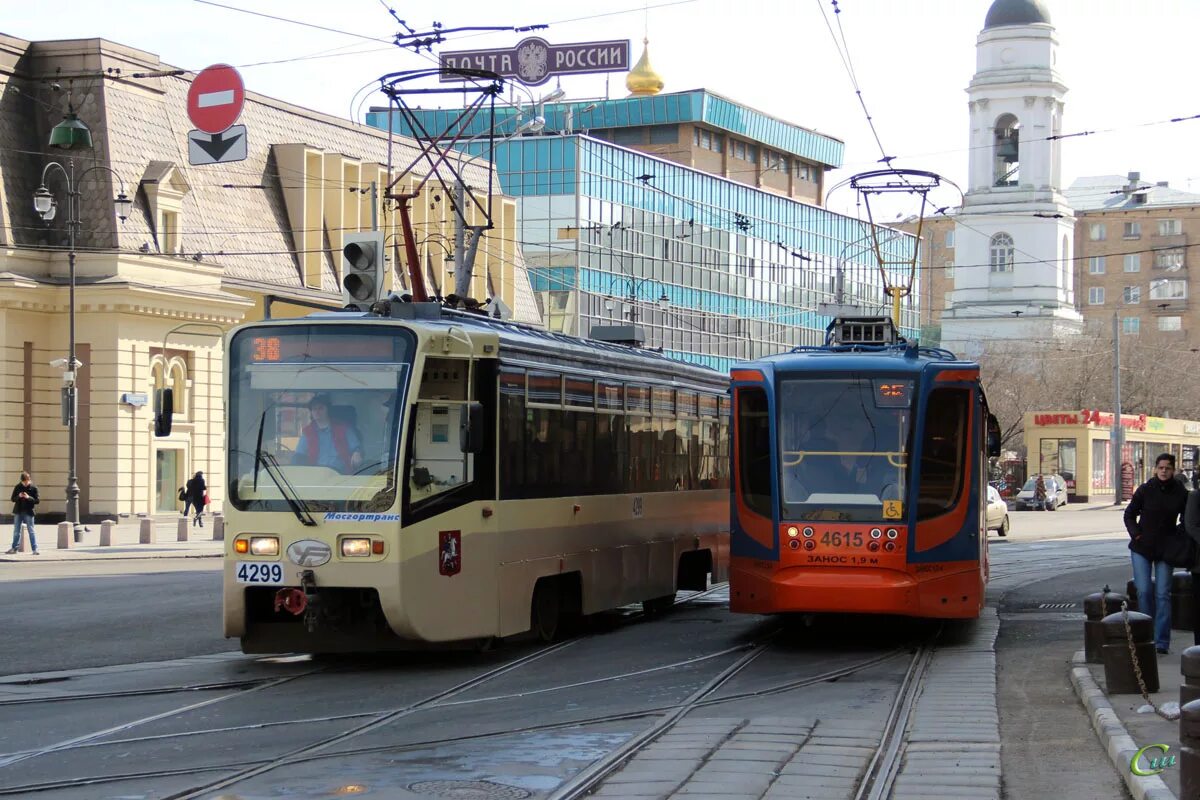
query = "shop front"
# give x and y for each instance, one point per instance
(1078, 446)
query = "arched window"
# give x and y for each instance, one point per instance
(1006, 151)
(1001, 253)
(158, 373)
(178, 382)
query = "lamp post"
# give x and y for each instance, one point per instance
(634, 295)
(70, 134)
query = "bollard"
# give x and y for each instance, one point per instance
(1119, 677)
(1131, 593)
(146, 531)
(64, 535)
(106, 532)
(1189, 665)
(1096, 607)
(218, 528)
(1182, 612)
(1189, 752)
(181, 532)
(78, 533)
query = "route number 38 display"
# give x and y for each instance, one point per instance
(259, 573)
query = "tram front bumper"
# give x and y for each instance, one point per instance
(855, 590)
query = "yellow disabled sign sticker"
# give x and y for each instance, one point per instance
(893, 509)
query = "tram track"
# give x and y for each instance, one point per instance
(316, 751)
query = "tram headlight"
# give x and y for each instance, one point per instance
(356, 547)
(876, 533)
(808, 532)
(892, 533)
(264, 545)
(793, 531)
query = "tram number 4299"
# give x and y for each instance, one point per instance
(839, 539)
(249, 572)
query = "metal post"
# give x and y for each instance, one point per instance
(72, 399)
(374, 206)
(462, 285)
(1116, 425)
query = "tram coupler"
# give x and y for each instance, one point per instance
(308, 583)
(291, 600)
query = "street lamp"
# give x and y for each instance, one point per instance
(70, 134)
(634, 295)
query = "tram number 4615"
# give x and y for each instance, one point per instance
(839, 539)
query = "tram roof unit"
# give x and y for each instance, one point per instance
(902, 357)
(531, 342)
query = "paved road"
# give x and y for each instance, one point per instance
(78, 614)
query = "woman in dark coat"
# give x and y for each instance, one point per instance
(196, 489)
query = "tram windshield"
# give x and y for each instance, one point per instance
(844, 447)
(314, 414)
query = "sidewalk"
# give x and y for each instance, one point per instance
(125, 543)
(1123, 729)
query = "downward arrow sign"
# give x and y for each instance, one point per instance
(217, 147)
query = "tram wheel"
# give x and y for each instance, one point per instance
(658, 605)
(546, 613)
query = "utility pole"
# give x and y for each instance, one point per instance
(1117, 431)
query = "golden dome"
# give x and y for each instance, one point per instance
(642, 80)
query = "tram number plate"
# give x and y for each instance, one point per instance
(259, 573)
(839, 539)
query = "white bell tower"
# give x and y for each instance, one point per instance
(1015, 235)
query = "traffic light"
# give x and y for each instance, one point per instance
(362, 269)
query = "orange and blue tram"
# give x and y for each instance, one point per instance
(860, 479)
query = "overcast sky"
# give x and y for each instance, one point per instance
(1128, 63)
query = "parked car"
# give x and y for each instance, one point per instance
(997, 512)
(1056, 494)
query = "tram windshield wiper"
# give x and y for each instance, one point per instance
(294, 501)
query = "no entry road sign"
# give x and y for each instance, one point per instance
(215, 98)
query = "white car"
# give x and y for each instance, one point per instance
(997, 512)
(1056, 494)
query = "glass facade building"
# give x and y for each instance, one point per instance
(713, 270)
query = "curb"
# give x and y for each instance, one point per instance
(1112, 734)
(107, 557)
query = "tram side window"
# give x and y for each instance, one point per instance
(512, 432)
(754, 450)
(438, 463)
(943, 452)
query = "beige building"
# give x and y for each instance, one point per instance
(204, 248)
(1077, 445)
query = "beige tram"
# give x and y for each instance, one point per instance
(433, 476)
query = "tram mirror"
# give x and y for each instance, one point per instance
(993, 436)
(470, 428)
(164, 411)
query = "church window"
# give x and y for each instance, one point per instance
(1007, 151)
(1001, 253)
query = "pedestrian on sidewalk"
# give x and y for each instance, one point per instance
(1151, 516)
(196, 492)
(24, 497)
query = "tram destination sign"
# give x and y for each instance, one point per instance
(534, 61)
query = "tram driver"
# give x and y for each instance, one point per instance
(326, 442)
(840, 460)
